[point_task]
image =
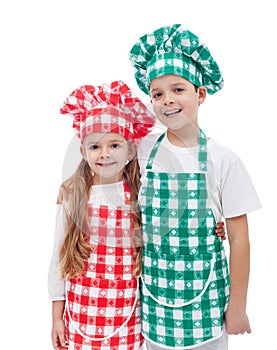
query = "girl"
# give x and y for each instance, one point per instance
(93, 272)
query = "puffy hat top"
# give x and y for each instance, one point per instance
(174, 50)
(108, 108)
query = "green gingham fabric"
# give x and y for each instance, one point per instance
(174, 50)
(185, 279)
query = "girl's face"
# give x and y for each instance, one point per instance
(176, 101)
(107, 155)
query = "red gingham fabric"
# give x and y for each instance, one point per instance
(108, 108)
(106, 295)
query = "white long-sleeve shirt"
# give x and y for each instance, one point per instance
(111, 195)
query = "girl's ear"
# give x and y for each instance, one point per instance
(83, 153)
(132, 151)
(202, 93)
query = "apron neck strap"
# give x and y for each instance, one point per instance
(154, 152)
(202, 154)
(127, 192)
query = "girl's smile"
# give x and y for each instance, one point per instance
(105, 165)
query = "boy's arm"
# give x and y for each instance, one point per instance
(65, 189)
(236, 318)
(58, 328)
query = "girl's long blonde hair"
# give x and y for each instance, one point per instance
(75, 249)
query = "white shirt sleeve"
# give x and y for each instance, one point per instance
(56, 286)
(237, 193)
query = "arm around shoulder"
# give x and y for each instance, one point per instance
(65, 190)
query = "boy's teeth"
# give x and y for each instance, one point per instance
(172, 112)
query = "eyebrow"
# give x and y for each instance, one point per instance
(172, 85)
(180, 83)
(154, 91)
(110, 141)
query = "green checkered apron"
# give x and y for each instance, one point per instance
(185, 278)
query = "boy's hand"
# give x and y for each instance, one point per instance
(236, 322)
(220, 230)
(65, 190)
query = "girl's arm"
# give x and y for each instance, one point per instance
(58, 329)
(220, 230)
(236, 318)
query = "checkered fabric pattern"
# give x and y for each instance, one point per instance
(128, 338)
(177, 279)
(185, 326)
(177, 201)
(174, 50)
(108, 108)
(185, 274)
(106, 296)
(112, 240)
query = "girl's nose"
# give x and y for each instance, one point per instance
(105, 152)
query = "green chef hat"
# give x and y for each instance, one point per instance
(174, 50)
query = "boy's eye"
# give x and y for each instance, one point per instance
(157, 95)
(179, 89)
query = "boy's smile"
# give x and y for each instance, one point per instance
(172, 113)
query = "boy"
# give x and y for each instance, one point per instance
(188, 182)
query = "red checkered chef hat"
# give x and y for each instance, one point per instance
(108, 108)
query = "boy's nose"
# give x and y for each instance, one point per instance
(168, 98)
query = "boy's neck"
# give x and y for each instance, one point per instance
(185, 137)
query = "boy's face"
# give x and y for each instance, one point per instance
(176, 101)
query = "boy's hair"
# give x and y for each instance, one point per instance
(75, 249)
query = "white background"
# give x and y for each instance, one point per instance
(49, 48)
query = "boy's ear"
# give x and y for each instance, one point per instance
(202, 93)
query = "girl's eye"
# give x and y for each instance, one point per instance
(93, 147)
(115, 145)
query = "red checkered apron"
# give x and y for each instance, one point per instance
(103, 305)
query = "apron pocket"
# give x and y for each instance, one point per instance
(176, 280)
(99, 308)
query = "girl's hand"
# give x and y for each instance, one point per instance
(236, 322)
(65, 190)
(220, 230)
(58, 335)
